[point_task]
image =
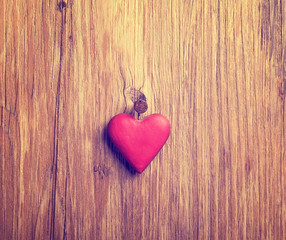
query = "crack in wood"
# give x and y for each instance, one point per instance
(56, 138)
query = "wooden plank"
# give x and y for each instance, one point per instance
(215, 69)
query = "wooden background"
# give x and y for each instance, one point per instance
(215, 69)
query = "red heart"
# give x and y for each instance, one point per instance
(138, 141)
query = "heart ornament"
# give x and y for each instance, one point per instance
(139, 141)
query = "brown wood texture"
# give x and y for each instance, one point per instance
(215, 69)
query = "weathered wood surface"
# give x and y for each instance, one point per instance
(215, 69)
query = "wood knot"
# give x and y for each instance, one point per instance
(62, 4)
(281, 87)
(140, 106)
(248, 165)
(101, 170)
(135, 100)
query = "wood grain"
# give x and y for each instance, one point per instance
(215, 69)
